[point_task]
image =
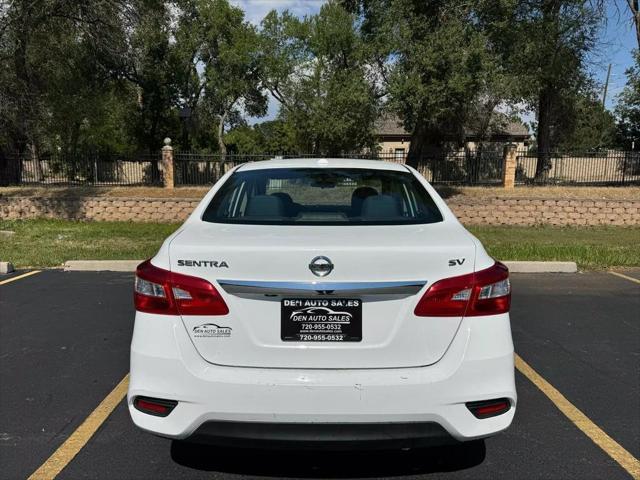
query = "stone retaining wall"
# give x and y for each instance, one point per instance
(526, 211)
(470, 211)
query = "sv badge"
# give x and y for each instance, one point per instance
(456, 261)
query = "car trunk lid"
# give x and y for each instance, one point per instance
(386, 268)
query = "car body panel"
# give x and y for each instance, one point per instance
(392, 335)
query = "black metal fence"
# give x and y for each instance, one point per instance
(86, 168)
(463, 167)
(612, 167)
(480, 166)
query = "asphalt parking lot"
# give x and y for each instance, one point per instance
(64, 346)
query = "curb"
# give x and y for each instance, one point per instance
(541, 267)
(6, 268)
(130, 266)
(101, 265)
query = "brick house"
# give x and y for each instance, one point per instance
(394, 140)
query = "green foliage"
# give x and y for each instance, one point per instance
(316, 68)
(149, 67)
(439, 66)
(271, 137)
(580, 123)
(628, 107)
(434, 80)
(545, 44)
(120, 75)
(218, 58)
(56, 81)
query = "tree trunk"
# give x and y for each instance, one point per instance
(634, 5)
(26, 111)
(418, 145)
(221, 145)
(35, 160)
(426, 150)
(545, 102)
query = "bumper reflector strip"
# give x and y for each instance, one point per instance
(489, 408)
(154, 406)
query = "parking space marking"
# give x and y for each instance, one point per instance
(580, 420)
(13, 279)
(79, 438)
(626, 277)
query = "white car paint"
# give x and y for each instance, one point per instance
(405, 369)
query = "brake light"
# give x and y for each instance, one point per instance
(487, 292)
(160, 291)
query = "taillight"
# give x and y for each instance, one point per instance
(159, 407)
(489, 408)
(487, 292)
(160, 291)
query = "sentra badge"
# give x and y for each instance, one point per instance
(203, 263)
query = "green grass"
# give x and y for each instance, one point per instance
(590, 247)
(47, 243)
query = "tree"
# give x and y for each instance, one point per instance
(634, 7)
(549, 43)
(316, 68)
(147, 63)
(52, 51)
(276, 137)
(437, 65)
(581, 123)
(628, 107)
(219, 64)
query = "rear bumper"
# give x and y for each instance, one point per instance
(335, 436)
(233, 404)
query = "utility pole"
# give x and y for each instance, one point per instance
(606, 86)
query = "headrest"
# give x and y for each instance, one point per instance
(264, 206)
(358, 196)
(381, 207)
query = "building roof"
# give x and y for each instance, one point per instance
(390, 125)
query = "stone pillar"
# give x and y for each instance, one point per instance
(509, 164)
(167, 163)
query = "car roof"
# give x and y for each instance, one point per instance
(322, 163)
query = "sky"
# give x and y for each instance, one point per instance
(255, 10)
(617, 41)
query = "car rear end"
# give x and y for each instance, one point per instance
(331, 302)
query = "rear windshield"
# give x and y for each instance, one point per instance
(317, 196)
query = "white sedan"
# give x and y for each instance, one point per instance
(327, 302)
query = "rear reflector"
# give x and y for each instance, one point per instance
(154, 406)
(489, 408)
(160, 291)
(487, 292)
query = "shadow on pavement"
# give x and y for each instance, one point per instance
(326, 464)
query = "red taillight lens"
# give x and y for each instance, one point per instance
(154, 406)
(489, 408)
(150, 291)
(161, 291)
(487, 292)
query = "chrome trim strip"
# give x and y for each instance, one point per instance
(321, 288)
